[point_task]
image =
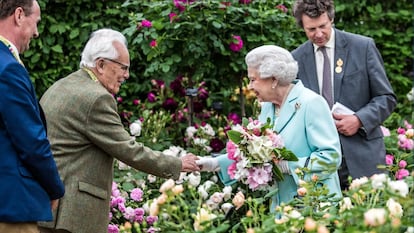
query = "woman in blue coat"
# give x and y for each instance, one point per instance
(299, 115)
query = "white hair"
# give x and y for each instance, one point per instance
(100, 44)
(272, 61)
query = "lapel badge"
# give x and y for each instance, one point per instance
(297, 106)
(338, 68)
(339, 62)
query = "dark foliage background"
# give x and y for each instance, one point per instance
(66, 25)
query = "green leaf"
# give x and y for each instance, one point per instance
(278, 174)
(234, 136)
(57, 48)
(286, 154)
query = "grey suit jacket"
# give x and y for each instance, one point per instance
(362, 85)
(86, 134)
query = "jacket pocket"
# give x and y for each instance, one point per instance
(93, 190)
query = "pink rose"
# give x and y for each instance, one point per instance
(237, 44)
(389, 159)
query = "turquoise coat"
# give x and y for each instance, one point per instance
(308, 130)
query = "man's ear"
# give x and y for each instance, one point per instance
(18, 15)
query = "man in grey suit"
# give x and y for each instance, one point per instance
(86, 134)
(356, 79)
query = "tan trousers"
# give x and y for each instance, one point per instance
(20, 227)
(50, 230)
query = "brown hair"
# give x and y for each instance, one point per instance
(313, 9)
(7, 7)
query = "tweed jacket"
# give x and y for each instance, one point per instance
(362, 85)
(308, 130)
(28, 174)
(86, 134)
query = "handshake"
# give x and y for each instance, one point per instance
(211, 164)
(192, 163)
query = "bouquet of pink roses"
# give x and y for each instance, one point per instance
(255, 148)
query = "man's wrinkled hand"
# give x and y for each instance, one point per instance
(189, 163)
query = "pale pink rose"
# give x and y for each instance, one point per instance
(167, 185)
(161, 199)
(238, 200)
(310, 224)
(178, 189)
(302, 191)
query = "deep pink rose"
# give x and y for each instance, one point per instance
(153, 43)
(237, 44)
(146, 23)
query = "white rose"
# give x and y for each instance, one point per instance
(399, 186)
(395, 208)
(135, 128)
(375, 217)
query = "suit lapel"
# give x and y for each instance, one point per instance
(341, 55)
(309, 68)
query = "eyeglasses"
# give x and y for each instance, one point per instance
(123, 67)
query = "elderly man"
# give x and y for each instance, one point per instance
(86, 135)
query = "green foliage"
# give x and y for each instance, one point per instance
(196, 45)
(64, 29)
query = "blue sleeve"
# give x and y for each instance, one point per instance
(224, 163)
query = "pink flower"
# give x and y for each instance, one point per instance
(146, 23)
(389, 159)
(151, 97)
(282, 7)
(136, 194)
(400, 130)
(237, 43)
(405, 143)
(151, 219)
(180, 4)
(112, 228)
(400, 174)
(408, 125)
(119, 99)
(135, 102)
(259, 177)
(402, 164)
(234, 118)
(231, 150)
(172, 16)
(231, 170)
(153, 43)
